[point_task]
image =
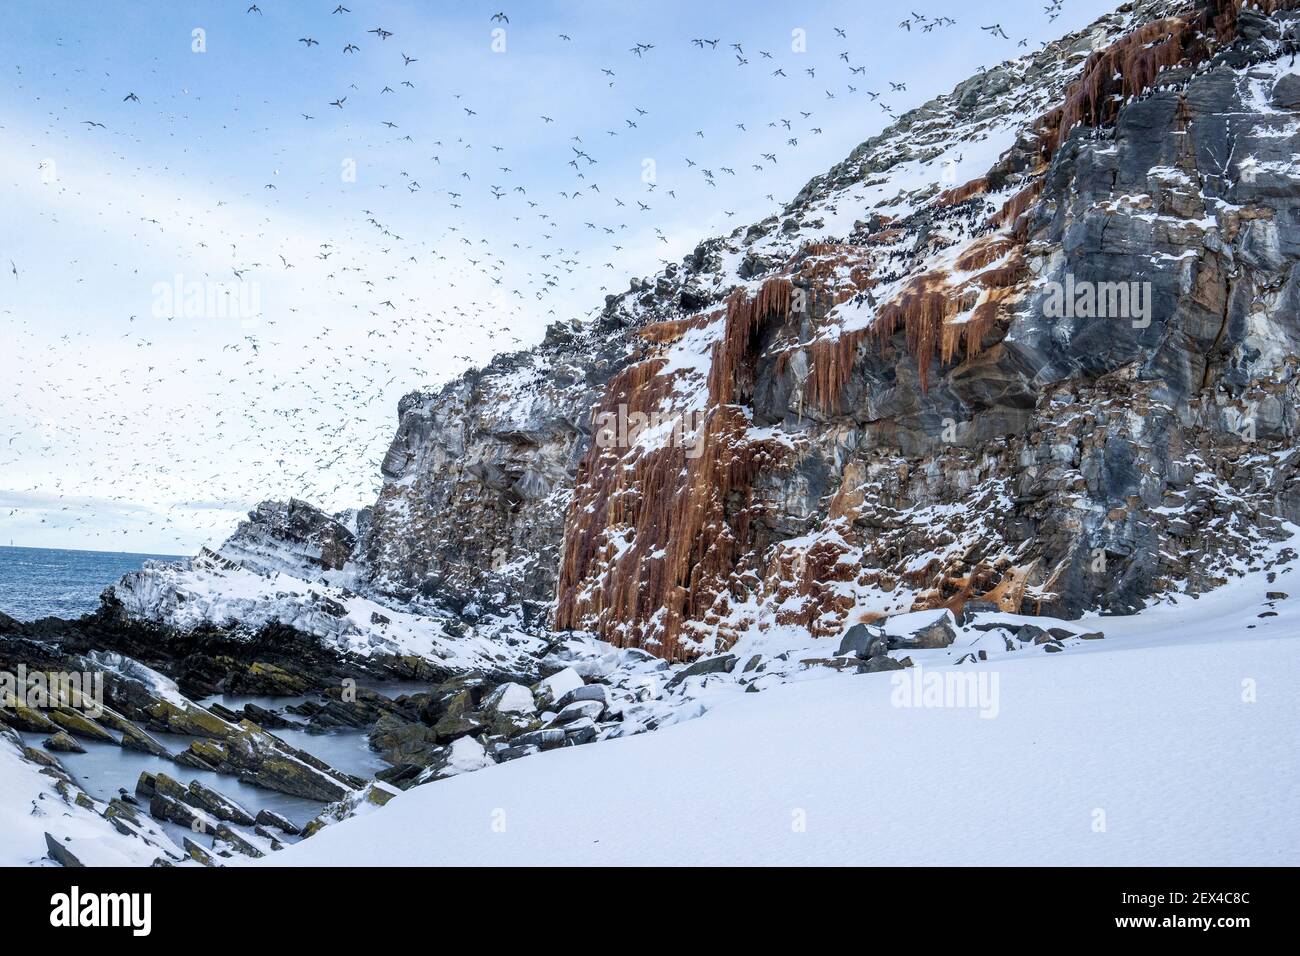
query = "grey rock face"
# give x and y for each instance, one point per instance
(479, 474)
(936, 635)
(863, 642)
(291, 537)
(1119, 421)
(1063, 467)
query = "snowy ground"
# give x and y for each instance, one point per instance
(1171, 742)
(31, 806)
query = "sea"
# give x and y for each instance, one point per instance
(51, 582)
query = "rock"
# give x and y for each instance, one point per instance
(187, 758)
(188, 721)
(551, 689)
(1028, 633)
(266, 719)
(401, 775)
(589, 692)
(1277, 595)
(454, 726)
(1092, 636)
(464, 755)
(197, 852)
(60, 742)
(133, 738)
(25, 718)
(229, 840)
(877, 664)
(403, 741)
(81, 725)
(515, 751)
(578, 710)
(269, 818)
(707, 665)
(1286, 93)
(144, 786)
(44, 759)
(373, 794)
(512, 698)
(973, 607)
(225, 713)
(217, 804)
(859, 640)
(545, 739)
(169, 808)
(863, 641)
(257, 756)
(1053, 648)
(937, 634)
(580, 731)
(60, 854)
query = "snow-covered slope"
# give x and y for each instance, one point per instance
(36, 801)
(213, 590)
(1171, 741)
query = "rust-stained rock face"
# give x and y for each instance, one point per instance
(1033, 347)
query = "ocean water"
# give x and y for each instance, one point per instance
(49, 582)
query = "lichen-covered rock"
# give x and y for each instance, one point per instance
(364, 800)
(261, 758)
(61, 742)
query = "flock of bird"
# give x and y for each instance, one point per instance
(452, 241)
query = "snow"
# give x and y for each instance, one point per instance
(211, 589)
(466, 755)
(31, 806)
(560, 683)
(511, 699)
(1171, 742)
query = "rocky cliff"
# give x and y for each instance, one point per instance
(1032, 348)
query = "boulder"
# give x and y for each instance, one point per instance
(937, 634)
(61, 742)
(22, 717)
(551, 689)
(60, 854)
(133, 738)
(188, 720)
(1028, 633)
(863, 641)
(228, 840)
(597, 693)
(79, 724)
(1286, 93)
(876, 665)
(269, 818)
(261, 758)
(578, 710)
(706, 665)
(512, 698)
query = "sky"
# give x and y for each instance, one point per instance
(216, 285)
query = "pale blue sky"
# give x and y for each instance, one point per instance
(130, 425)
